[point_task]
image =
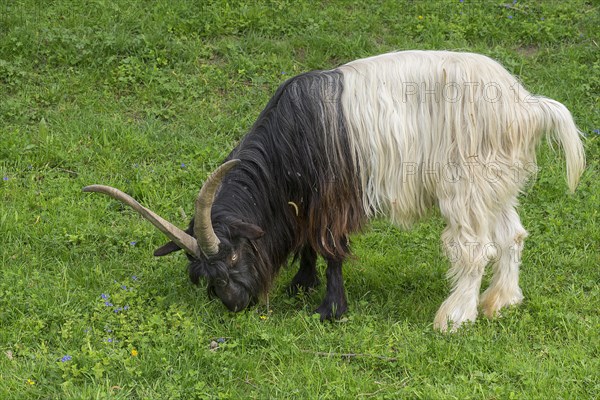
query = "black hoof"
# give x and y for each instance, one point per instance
(302, 285)
(331, 311)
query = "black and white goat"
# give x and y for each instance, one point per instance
(392, 135)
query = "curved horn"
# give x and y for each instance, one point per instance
(182, 239)
(203, 229)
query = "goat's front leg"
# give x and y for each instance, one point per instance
(334, 304)
(306, 277)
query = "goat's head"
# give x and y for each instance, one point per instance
(226, 259)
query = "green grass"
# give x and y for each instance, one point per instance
(150, 96)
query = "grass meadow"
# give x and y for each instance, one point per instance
(150, 96)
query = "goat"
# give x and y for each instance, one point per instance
(393, 135)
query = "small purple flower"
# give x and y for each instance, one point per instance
(510, 17)
(221, 340)
(182, 165)
(104, 296)
(462, 1)
(109, 340)
(596, 131)
(118, 309)
(542, 19)
(132, 243)
(282, 72)
(5, 178)
(66, 358)
(135, 278)
(108, 304)
(126, 308)
(123, 287)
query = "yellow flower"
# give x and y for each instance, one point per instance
(420, 17)
(134, 352)
(30, 382)
(263, 317)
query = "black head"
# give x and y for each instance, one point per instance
(231, 273)
(222, 251)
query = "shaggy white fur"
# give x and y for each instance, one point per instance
(456, 131)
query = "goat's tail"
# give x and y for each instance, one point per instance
(561, 127)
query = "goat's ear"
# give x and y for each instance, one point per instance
(166, 249)
(247, 230)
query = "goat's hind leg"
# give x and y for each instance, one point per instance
(504, 287)
(468, 259)
(306, 277)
